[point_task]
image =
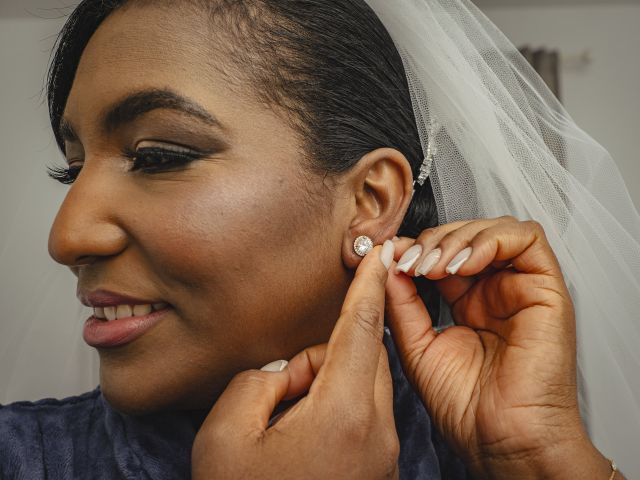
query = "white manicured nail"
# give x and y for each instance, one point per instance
(386, 254)
(276, 366)
(396, 238)
(429, 262)
(459, 260)
(409, 258)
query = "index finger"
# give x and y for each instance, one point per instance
(351, 359)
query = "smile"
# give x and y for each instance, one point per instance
(124, 311)
(114, 326)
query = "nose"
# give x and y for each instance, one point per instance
(86, 227)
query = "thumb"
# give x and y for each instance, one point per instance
(245, 406)
(409, 321)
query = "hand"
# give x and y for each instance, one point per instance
(501, 385)
(342, 429)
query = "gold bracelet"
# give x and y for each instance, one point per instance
(614, 469)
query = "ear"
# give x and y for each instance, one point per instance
(380, 186)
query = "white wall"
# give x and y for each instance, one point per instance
(32, 287)
(603, 97)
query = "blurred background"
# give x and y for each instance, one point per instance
(587, 51)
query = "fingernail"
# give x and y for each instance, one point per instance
(277, 366)
(409, 258)
(395, 239)
(429, 262)
(386, 254)
(459, 260)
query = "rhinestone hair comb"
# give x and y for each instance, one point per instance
(427, 164)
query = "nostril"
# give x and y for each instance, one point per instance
(84, 260)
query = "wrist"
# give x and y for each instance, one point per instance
(573, 458)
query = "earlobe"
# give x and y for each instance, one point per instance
(362, 245)
(381, 186)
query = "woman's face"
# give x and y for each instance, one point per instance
(239, 242)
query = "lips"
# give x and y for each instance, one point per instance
(102, 333)
(106, 298)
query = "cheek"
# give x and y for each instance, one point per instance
(223, 247)
(252, 271)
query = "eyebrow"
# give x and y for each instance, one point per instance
(139, 103)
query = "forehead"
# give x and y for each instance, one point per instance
(147, 48)
(153, 33)
(138, 48)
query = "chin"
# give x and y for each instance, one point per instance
(135, 393)
(129, 399)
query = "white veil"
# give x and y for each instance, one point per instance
(506, 146)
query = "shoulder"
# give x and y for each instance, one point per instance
(52, 408)
(32, 431)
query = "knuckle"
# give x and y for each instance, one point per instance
(369, 318)
(534, 225)
(452, 240)
(380, 275)
(357, 424)
(428, 234)
(538, 230)
(248, 379)
(508, 218)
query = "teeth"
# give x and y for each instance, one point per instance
(125, 311)
(139, 310)
(110, 313)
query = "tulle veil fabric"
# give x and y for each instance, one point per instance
(505, 146)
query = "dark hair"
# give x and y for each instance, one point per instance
(330, 64)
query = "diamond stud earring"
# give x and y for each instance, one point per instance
(362, 245)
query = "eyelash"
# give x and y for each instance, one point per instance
(63, 175)
(144, 159)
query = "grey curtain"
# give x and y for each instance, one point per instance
(547, 64)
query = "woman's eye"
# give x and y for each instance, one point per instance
(158, 159)
(147, 159)
(63, 174)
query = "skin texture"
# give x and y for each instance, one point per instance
(253, 253)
